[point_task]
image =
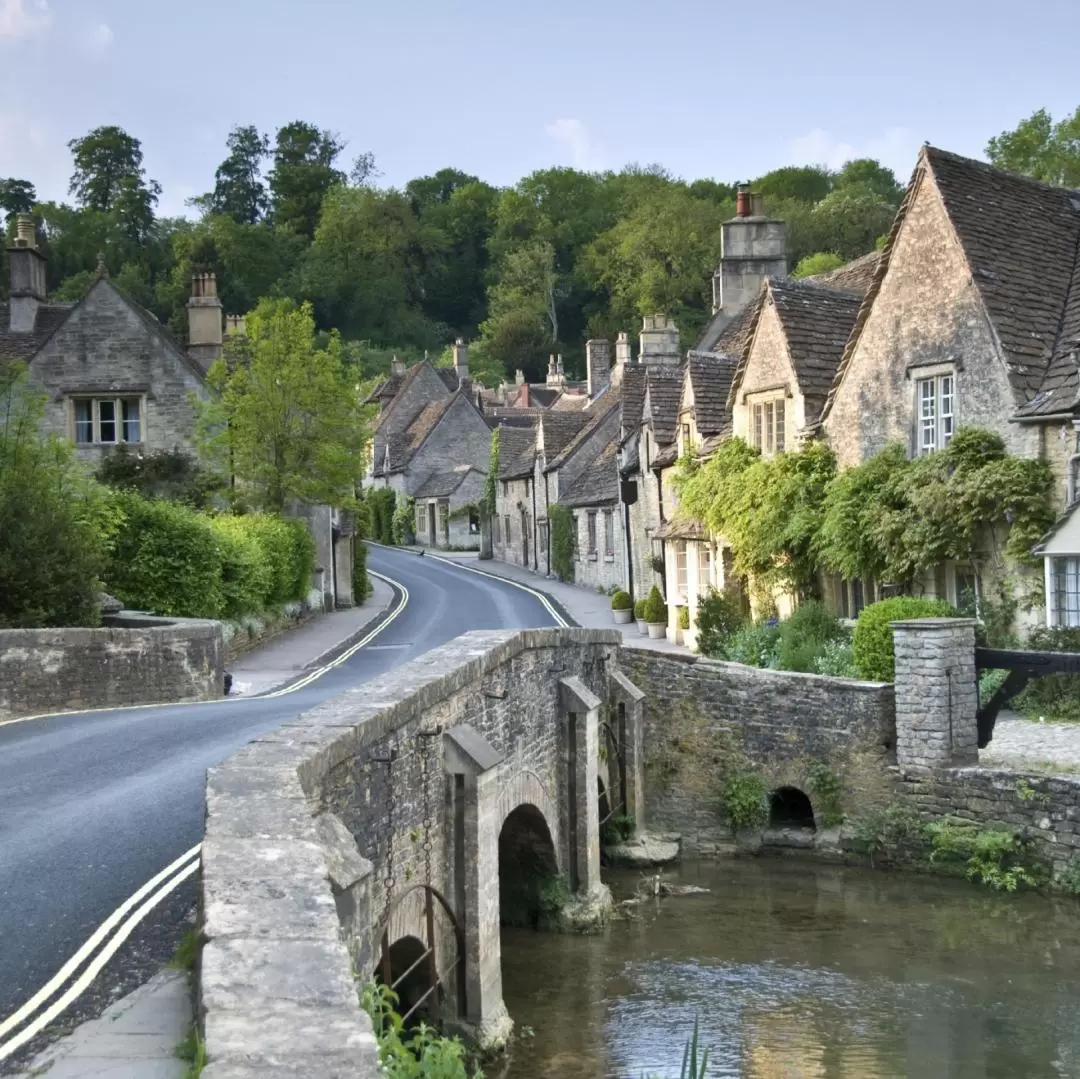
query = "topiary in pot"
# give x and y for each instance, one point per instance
(639, 617)
(622, 607)
(656, 613)
(684, 618)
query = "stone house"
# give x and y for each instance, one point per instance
(972, 319)
(432, 444)
(114, 377)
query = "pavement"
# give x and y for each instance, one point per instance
(1032, 744)
(95, 805)
(586, 606)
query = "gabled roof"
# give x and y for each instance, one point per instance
(598, 481)
(388, 388)
(517, 452)
(855, 276)
(559, 428)
(731, 338)
(24, 346)
(632, 397)
(405, 444)
(1021, 239)
(599, 410)
(663, 393)
(443, 484)
(570, 402)
(407, 380)
(710, 378)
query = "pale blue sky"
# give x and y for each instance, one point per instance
(502, 87)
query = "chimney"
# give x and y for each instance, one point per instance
(461, 361)
(234, 326)
(598, 365)
(27, 276)
(397, 367)
(659, 341)
(559, 369)
(204, 320)
(622, 358)
(553, 374)
(742, 201)
(519, 377)
(752, 248)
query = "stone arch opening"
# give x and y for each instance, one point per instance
(789, 808)
(404, 962)
(530, 888)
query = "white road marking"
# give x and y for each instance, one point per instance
(306, 681)
(86, 979)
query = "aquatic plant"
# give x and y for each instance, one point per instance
(695, 1061)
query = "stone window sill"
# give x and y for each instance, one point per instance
(609, 558)
(592, 556)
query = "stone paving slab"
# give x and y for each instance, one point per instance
(308, 646)
(586, 606)
(136, 1038)
(1028, 743)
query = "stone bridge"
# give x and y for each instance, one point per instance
(396, 827)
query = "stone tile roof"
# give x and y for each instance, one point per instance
(598, 411)
(570, 402)
(442, 484)
(517, 451)
(732, 338)
(1021, 239)
(667, 456)
(710, 378)
(855, 276)
(664, 393)
(403, 445)
(632, 397)
(559, 429)
(407, 380)
(681, 528)
(598, 481)
(543, 396)
(388, 387)
(449, 378)
(24, 346)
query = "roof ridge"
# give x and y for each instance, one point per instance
(987, 166)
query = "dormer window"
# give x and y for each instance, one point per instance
(768, 433)
(687, 439)
(935, 403)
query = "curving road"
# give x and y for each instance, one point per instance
(94, 805)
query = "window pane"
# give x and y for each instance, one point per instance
(131, 421)
(592, 533)
(947, 399)
(84, 422)
(680, 566)
(757, 426)
(927, 415)
(769, 427)
(106, 421)
(609, 532)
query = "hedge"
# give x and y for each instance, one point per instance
(872, 646)
(171, 560)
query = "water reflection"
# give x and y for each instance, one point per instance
(798, 971)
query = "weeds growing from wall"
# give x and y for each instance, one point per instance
(828, 793)
(745, 800)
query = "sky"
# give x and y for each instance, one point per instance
(499, 88)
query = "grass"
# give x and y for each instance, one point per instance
(192, 1050)
(187, 952)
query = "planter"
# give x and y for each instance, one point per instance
(689, 637)
(642, 627)
(623, 618)
(657, 631)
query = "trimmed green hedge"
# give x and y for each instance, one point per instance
(171, 560)
(872, 646)
(621, 601)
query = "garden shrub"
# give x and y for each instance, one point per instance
(1054, 696)
(277, 536)
(639, 610)
(246, 567)
(303, 558)
(804, 635)
(563, 542)
(836, 659)
(872, 645)
(719, 616)
(381, 504)
(755, 644)
(361, 586)
(684, 618)
(403, 524)
(655, 607)
(171, 474)
(621, 601)
(167, 559)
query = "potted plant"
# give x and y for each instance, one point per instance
(684, 627)
(656, 614)
(622, 607)
(639, 617)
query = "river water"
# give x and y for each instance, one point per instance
(803, 971)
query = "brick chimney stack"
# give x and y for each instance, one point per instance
(598, 364)
(461, 361)
(27, 276)
(205, 320)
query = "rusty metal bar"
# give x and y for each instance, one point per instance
(401, 977)
(433, 974)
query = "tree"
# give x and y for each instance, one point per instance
(286, 420)
(868, 174)
(239, 191)
(109, 177)
(806, 183)
(850, 220)
(819, 262)
(1039, 148)
(17, 196)
(302, 175)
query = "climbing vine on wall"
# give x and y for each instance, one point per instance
(563, 542)
(491, 488)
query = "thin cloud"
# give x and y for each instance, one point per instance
(100, 38)
(573, 137)
(895, 148)
(21, 19)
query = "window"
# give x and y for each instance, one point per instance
(609, 533)
(474, 521)
(704, 570)
(768, 427)
(496, 531)
(936, 404)
(543, 535)
(506, 529)
(528, 487)
(444, 519)
(686, 443)
(680, 567)
(591, 516)
(1065, 600)
(107, 420)
(506, 488)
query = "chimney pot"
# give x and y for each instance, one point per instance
(25, 231)
(742, 202)
(757, 204)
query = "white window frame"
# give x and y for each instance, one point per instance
(768, 424)
(681, 560)
(1063, 590)
(935, 412)
(704, 567)
(609, 534)
(120, 405)
(590, 534)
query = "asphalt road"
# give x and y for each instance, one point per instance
(94, 805)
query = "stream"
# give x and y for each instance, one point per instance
(797, 970)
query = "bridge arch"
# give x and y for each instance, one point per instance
(528, 869)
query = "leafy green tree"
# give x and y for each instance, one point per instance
(52, 518)
(17, 196)
(303, 173)
(286, 419)
(868, 174)
(1040, 148)
(484, 369)
(850, 220)
(109, 177)
(805, 183)
(239, 191)
(819, 262)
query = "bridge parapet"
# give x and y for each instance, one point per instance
(376, 818)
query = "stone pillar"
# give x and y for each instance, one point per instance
(582, 709)
(937, 694)
(467, 755)
(629, 721)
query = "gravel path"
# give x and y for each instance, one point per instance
(1027, 743)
